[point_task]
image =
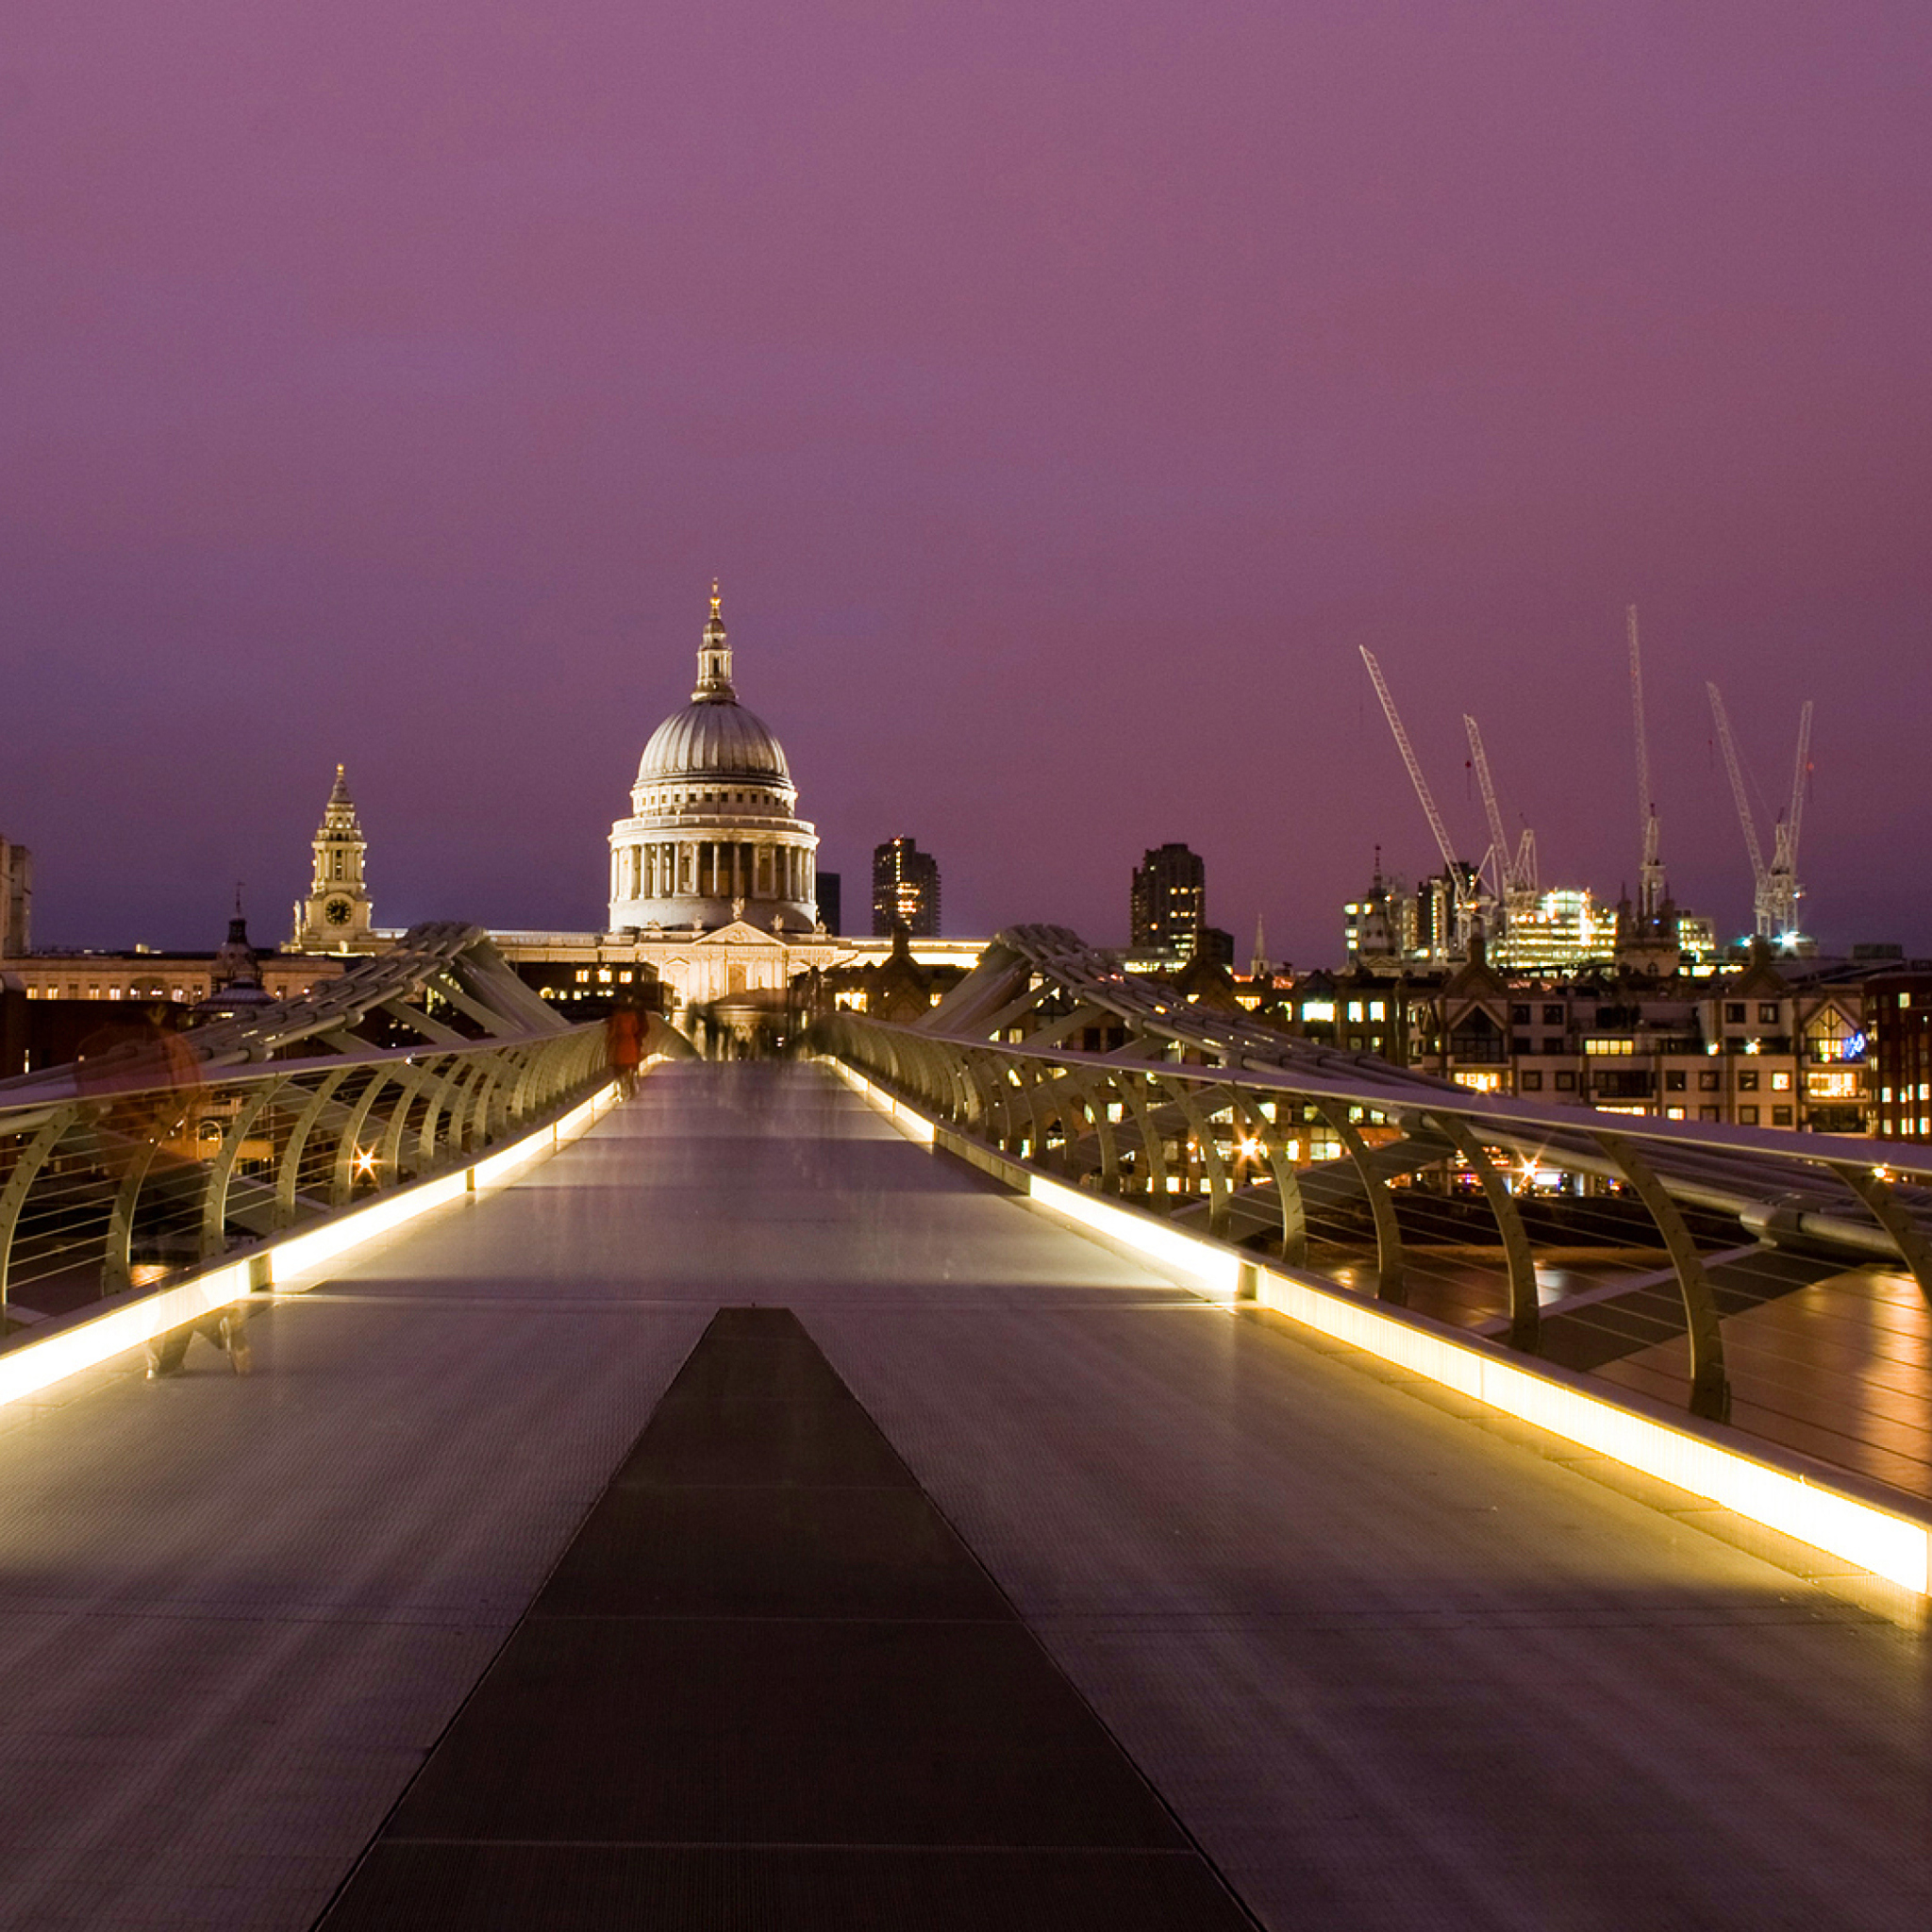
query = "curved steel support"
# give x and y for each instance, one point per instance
(1525, 1318)
(34, 1157)
(441, 1096)
(348, 1148)
(1710, 1388)
(220, 1170)
(1389, 1286)
(117, 1258)
(1913, 1248)
(1150, 1170)
(1287, 1186)
(443, 1127)
(1098, 1096)
(983, 1085)
(1200, 1122)
(1067, 1108)
(298, 1140)
(410, 1081)
(476, 1127)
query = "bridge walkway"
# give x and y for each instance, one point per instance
(1389, 1663)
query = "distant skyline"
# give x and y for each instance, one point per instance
(1063, 401)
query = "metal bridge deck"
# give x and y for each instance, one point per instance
(1390, 1664)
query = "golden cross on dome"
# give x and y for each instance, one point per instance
(716, 600)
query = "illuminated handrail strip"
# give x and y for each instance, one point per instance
(285, 1266)
(1795, 1502)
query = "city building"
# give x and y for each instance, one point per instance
(145, 974)
(1168, 904)
(905, 890)
(238, 987)
(1898, 1046)
(335, 916)
(16, 900)
(1759, 1047)
(1378, 930)
(1562, 930)
(831, 903)
(713, 839)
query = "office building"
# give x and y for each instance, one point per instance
(905, 890)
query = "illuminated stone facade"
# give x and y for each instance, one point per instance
(714, 839)
(335, 917)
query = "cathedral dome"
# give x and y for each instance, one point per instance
(713, 739)
(713, 837)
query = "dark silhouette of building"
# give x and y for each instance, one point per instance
(905, 890)
(16, 900)
(831, 903)
(1169, 905)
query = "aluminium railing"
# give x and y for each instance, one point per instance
(152, 1166)
(1355, 1170)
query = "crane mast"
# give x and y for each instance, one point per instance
(1464, 898)
(1785, 889)
(1774, 887)
(1649, 891)
(1512, 878)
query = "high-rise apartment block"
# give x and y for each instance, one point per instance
(905, 890)
(1169, 906)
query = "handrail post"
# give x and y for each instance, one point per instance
(1876, 1193)
(214, 1196)
(1526, 1316)
(287, 1174)
(1389, 1261)
(1710, 1388)
(34, 1157)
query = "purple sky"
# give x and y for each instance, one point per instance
(1063, 395)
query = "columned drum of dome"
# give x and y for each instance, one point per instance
(713, 835)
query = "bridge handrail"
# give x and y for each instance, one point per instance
(115, 1181)
(990, 1062)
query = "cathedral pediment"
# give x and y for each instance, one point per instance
(740, 932)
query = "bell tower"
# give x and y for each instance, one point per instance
(335, 917)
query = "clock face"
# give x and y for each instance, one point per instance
(338, 911)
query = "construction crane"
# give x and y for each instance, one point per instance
(1786, 890)
(1463, 887)
(1775, 890)
(1650, 888)
(1511, 878)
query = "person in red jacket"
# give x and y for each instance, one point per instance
(624, 1035)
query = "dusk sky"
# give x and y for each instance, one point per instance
(1063, 395)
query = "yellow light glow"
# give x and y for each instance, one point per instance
(1892, 1546)
(1895, 1547)
(1214, 1269)
(37, 1365)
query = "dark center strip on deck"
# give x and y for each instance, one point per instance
(767, 1686)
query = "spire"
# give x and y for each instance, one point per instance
(714, 657)
(339, 815)
(1258, 965)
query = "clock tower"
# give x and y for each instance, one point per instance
(335, 916)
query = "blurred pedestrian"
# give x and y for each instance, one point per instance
(227, 1330)
(623, 1040)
